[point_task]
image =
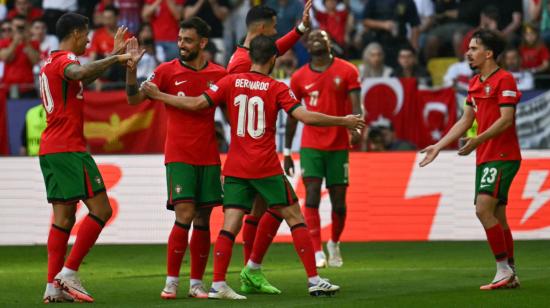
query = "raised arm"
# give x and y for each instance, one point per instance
(149, 10)
(90, 71)
(134, 94)
(192, 103)
(288, 40)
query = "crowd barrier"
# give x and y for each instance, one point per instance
(389, 199)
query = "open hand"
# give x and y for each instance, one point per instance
(306, 20)
(431, 153)
(469, 145)
(133, 49)
(120, 42)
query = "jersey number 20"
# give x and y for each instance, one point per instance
(251, 115)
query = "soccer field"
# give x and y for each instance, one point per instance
(412, 274)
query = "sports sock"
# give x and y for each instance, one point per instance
(509, 245)
(253, 265)
(85, 239)
(199, 249)
(495, 236)
(222, 254)
(314, 279)
(172, 279)
(313, 221)
(249, 235)
(175, 250)
(57, 248)
(338, 223)
(267, 230)
(304, 248)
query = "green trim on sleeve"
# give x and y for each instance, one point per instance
(210, 101)
(293, 108)
(507, 105)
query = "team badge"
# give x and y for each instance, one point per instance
(292, 94)
(71, 56)
(97, 180)
(487, 89)
(178, 189)
(337, 81)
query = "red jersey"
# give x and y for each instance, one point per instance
(253, 103)
(532, 57)
(334, 23)
(240, 61)
(326, 92)
(19, 69)
(191, 135)
(165, 26)
(486, 97)
(63, 102)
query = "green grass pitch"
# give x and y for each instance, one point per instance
(413, 274)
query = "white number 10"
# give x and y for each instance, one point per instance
(251, 113)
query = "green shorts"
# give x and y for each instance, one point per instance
(495, 178)
(70, 176)
(332, 165)
(187, 183)
(240, 193)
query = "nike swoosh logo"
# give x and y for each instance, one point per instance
(484, 186)
(309, 86)
(177, 83)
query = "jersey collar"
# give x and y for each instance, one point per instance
(491, 74)
(318, 71)
(192, 68)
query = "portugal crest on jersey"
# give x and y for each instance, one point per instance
(337, 81)
(487, 90)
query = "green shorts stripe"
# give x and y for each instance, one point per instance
(196, 184)
(70, 177)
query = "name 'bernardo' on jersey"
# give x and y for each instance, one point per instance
(252, 85)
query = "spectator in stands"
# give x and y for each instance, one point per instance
(458, 76)
(164, 17)
(5, 32)
(234, 29)
(510, 18)
(214, 12)
(374, 141)
(391, 143)
(24, 8)
(426, 13)
(540, 14)
(452, 20)
(534, 54)
(511, 61)
(373, 62)
(210, 52)
(408, 67)
(47, 42)
(154, 54)
(386, 22)
(285, 65)
(336, 22)
(488, 19)
(102, 44)
(19, 54)
(129, 12)
(53, 9)
(289, 14)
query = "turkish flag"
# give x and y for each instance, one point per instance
(393, 100)
(438, 114)
(112, 126)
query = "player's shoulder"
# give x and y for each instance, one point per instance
(304, 69)
(503, 74)
(214, 67)
(168, 65)
(345, 65)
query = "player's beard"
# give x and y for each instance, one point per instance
(192, 55)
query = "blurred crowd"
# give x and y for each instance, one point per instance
(424, 39)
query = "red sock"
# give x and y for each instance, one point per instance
(267, 230)
(313, 221)
(249, 235)
(509, 245)
(57, 248)
(200, 249)
(338, 223)
(304, 248)
(222, 254)
(85, 238)
(495, 236)
(177, 243)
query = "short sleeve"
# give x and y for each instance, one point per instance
(353, 80)
(295, 87)
(508, 93)
(65, 61)
(156, 78)
(286, 99)
(217, 93)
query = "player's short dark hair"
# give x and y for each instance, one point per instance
(197, 23)
(68, 23)
(262, 48)
(260, 13)
(491, 40)
(112, 8)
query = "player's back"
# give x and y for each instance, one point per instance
(191, 136)
(63, 102)
(253, 102)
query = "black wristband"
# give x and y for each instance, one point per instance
(132, 89)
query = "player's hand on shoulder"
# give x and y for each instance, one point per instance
(150, 89)
(431, 152)
(354, 121)
(288, 163)
(470, 144)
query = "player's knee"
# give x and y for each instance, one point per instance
(483, 214)
(339, 209)
(66, 223)
(202, 217)
(105, 213)
(292, 215)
